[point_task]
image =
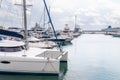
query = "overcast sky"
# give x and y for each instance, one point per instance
(91, 14)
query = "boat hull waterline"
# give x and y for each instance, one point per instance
(29, 65)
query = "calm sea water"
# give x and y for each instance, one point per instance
(91, 57)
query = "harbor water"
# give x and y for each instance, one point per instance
(91, 57)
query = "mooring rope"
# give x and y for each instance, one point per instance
(48, 62)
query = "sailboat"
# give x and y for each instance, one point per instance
(35, 42)
(18, 57)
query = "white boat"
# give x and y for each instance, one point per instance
(116, 34)
(34, 42)
(14, 58)
(68, 38)
(18, 57)
(76, 34)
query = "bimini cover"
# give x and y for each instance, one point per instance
(11, 33)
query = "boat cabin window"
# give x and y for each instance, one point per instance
(11, 49)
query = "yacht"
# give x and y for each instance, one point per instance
(116, 34)
(34, 42)
(62, 39)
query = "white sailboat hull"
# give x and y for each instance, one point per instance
(64, 57)
(29, 65)
(33, 60)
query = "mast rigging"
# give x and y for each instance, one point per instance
(50, 20)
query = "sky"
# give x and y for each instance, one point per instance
(91, 14)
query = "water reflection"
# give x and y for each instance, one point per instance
(94, 57)
(67, 43)
(63, 70)
(91, 57)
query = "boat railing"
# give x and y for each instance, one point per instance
(52, 54)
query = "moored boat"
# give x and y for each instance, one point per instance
(19, 57)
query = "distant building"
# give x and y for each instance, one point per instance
(110, 29)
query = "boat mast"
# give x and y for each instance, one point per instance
(50, 20)
(75, 21)
(25, 23)
(44, 18)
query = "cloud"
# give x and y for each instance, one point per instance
(93, 13)
(56, 10)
